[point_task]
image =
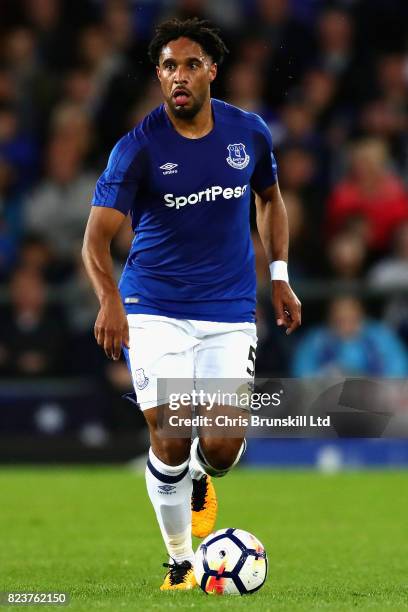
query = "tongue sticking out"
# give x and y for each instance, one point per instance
(181, 99)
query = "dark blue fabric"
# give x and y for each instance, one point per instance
(164, 477)
(192, 257)
(373, 358)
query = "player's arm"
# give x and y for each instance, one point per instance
(272, 222)
(111, 326)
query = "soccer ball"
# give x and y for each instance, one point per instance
(230, 561)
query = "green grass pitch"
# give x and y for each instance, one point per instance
(336, 542)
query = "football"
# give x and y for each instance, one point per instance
(230, 561)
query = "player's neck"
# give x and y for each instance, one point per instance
(198, 126)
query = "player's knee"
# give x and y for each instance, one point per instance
(171, 451)
(220, 454)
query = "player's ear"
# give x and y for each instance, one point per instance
(158, 72)
(213, 72)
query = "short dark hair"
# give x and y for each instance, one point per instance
(200, 31)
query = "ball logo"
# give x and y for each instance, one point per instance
(237, 156)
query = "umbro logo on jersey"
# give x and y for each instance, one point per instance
(169, 168)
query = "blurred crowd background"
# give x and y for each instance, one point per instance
(329, 78)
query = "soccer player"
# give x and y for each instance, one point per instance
(185, 306)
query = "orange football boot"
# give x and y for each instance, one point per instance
(204, 507)
(179, 577)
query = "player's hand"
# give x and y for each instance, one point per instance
(287, 306)
(111, 327)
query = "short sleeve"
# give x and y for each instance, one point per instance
(118, 184)
(265, 172)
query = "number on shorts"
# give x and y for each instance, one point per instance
(251, 358)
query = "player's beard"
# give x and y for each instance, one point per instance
(186, 112)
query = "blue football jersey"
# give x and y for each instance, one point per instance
(192, 255)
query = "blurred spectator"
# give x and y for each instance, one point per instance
(32, 334)
(392, 78)
(319, 89)
(17, 149)
(118, 22)
(370, 192)
(300, 246)
(386, 114)
(8, 250)
(390, 276)
(335, 40)
(187, 9)
(8, 89)
(253, 49)
(346, 254)
(46, 18)
(35, 87)
(289, 44)
(349, 344)
(113, 80)
(338, 55)
(298, 171)
(392, 271)
(381, 119)
(10, 219)
(78, 88)
(81, 304)
(151, 99)
(59, 206)
(71, 124)
(244, 88)
(297, 168)
(81, 309)
(37, 257)
(300, 131)
(299, 123)
(382, 24)
(227, 13)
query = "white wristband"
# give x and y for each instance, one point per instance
(279, 271)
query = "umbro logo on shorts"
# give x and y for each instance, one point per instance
(169, 168)
(166, 489)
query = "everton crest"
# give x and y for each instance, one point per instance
(141, 379)
(237, 156)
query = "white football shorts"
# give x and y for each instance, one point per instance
(163, 348)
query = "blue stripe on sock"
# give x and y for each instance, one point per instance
(165, 477)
